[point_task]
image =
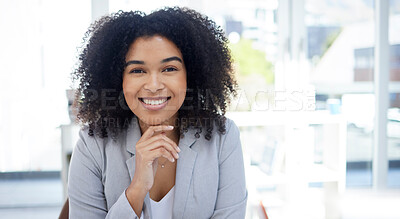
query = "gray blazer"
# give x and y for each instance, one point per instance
(210, 180)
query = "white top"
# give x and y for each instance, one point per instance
(163, 208)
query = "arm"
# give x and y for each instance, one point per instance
(85, 187)
(232, 193)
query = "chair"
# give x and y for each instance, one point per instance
(64, 214)
(263, 210)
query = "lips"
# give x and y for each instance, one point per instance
(154, 103)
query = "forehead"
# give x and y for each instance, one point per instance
(152, 47)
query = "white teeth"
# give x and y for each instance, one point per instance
(154, 102)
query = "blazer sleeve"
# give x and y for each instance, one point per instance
(85, 187)
(232, 193)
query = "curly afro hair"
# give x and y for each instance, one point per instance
(210, 83)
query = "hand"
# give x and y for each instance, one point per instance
(152, 145)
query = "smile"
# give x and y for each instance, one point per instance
(154, 103)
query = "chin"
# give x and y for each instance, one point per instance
(152, 121)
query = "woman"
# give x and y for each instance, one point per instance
(153, 93)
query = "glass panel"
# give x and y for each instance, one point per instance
(39, 44)
(340, 51)
(393, 128)
(36, 60)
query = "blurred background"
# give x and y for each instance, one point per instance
(318, 105)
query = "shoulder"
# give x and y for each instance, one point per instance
(230, 140)
(91, 148)
(89, 142)
(94, 142)
(223, 144)
(232, 133)
(217, 138)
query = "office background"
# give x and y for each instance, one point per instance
(318, 105)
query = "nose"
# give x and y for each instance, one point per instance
(154, 83)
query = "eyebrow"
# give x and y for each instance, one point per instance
(137, 62)
(173, 58)
(134, 62)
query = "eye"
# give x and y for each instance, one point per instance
(137, 71)
(169, 69)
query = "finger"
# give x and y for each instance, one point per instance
(172, 143)
(152, 129)
(164, 137)
(161, 152)
(170, 148)
(161, 142)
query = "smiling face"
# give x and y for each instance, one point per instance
(154, 80)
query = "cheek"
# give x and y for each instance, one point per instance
(182, 94)
(131, 99)
(130, 93)
(182, 85)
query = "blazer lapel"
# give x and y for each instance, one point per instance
(132, 137)
(184, 170)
